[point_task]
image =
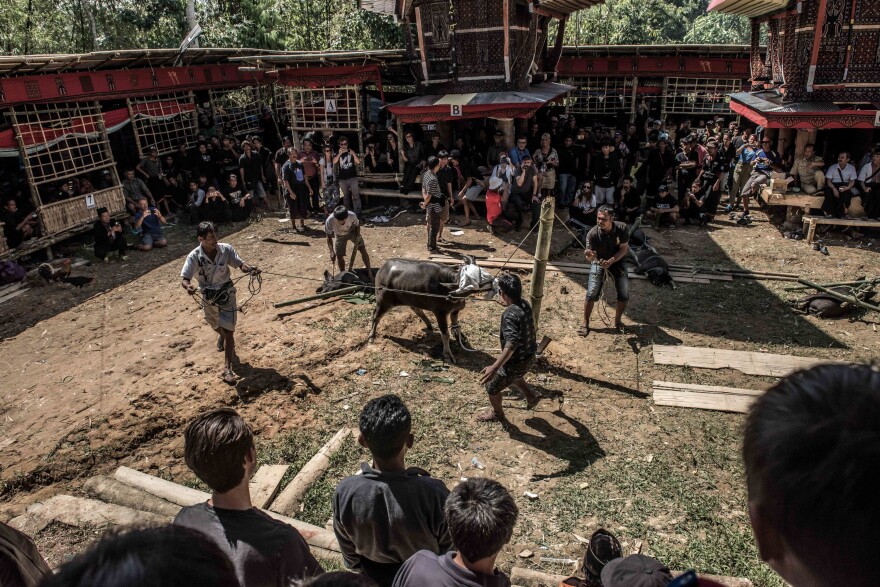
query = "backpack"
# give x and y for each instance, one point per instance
(11, 272)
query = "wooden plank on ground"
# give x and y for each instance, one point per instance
(750, 363)
(704, 397)
(266, 483)
(291, 498)
(13, 294)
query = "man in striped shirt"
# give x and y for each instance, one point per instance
(435, 199)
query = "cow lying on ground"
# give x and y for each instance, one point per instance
(653, 266)
(402, 282)
(345, 279)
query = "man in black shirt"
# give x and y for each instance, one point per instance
(18, 225)
(108, 237)
(568, 171)
(715, 168)
(628, 200)
(607, 244)
(219, 448)
(523, 190)
(518, 350)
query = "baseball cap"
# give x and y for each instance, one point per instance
(662, 188)
(443, 154)
(636, 570)
(495, 182)
(455, 153)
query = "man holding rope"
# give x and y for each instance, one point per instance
(607, 245)
(209, 263)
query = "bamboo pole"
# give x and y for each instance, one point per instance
(289, 500)
(320, 296)
(110, 490)
(542, 253)
(840, 296)
(858, 282)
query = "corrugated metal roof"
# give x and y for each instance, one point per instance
(538, 94)
(771, 103)
(568, 6)
(747, 7)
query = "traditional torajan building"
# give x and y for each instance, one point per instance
(818, 71)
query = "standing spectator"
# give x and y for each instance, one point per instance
(807, 171)
(688, 166)
(811, 451)
(435, 146)
(659, 167)
(134, 188)
(278, 160)
(745, 161)
(329, 183)
(227, 158)
(481, 515)
(390, 511)
(632, 145)
(518, 350)
(533, 138)
(468, 185)
(347, 162)
(434, 199)
(253, 175)
(296, 189)
(446, 176)
(150, 169)
(869, 184)
(204, 162)
(547, 161)
(149, 220)
(413, 155)
(715, 170)
(496, 150)
(219, 449)
(607, 245)
(266, 164)
(18, 225)
(839, 182)
(523, 190)
(604, 174)
(568, 171)
(108, 237)
(310, 158)
(519, 152)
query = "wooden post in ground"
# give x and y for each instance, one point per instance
(542, 254)
(289, 500)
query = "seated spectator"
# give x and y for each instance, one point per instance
(390, 512)
(627, 201)
(18, 225)
(807, 171)
(811, 450)
(216, 206)
(496, 199)
(869, 184)
(149, 221)
(583, 208)
(665, 208)
(767, 161)
(195, 203)
(481, 515)
(21, 564)
(840, 180)
(241, 203)
(170, 556)
(134, 188)
(109, 237)
(219, 449)
(692, 204)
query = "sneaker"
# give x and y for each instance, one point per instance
(123, 257)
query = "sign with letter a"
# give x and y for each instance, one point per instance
(455, 110)
(330, 106)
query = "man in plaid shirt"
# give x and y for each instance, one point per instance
(435, 199)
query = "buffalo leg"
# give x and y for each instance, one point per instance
(381, 308)
(424, 317)
(443, 323)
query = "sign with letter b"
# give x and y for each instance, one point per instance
(455, 110)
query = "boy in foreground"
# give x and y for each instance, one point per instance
(481, 515)
(219, 449)
(389, 512)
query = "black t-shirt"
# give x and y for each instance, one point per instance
(631, 199)
(606, 244)
(253, 168)
(712, 169)
(264, 551)
(233, 195)
(517, 327)
(227, 160)
(666, 202)
(568, 160)
(281, 156)
(447, 175)
(347, 167)
(204, 164)
(605, 171)
(528, 184)
(659, 164)
(441, 570)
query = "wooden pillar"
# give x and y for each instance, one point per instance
(134, 129)
(784, 138)
(505, 125)
(803, 138)
(192, 97)
(634, 101)
(400, 143)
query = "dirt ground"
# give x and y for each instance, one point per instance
(110, 375)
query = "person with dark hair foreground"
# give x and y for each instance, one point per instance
(338, 579)
(811, 450)
(170, 556)
(481, 515)
(607, 245)
(209, 263)
(518, 349)
(389, 512)
(219, 449)
(21, 564)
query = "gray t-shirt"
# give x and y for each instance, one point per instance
(387, 517)
(209, 272)
(427, 568)
(334, 227)
(264, 551)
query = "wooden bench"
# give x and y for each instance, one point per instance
(414, 195)
(811, 222)
(799, 200)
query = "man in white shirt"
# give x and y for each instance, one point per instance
(343, 227)
(839, 182)
(209, 263)
(869, 186)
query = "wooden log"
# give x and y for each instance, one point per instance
(750, 363)
(706, 397)
(109, 490)
(840, 296)
(862, 281)
(289, 501)
(81, 512)
(266, 483)
(320, 296)
(185, 496)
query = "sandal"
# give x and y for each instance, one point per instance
(229, 377)
(584, 330)
(620, 328)
(490, 416)
(468, 223)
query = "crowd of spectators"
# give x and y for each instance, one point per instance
(811, 452)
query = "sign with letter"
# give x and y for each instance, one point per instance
(455, 110)
(877, 118)
(330, 105)
(90, 201)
